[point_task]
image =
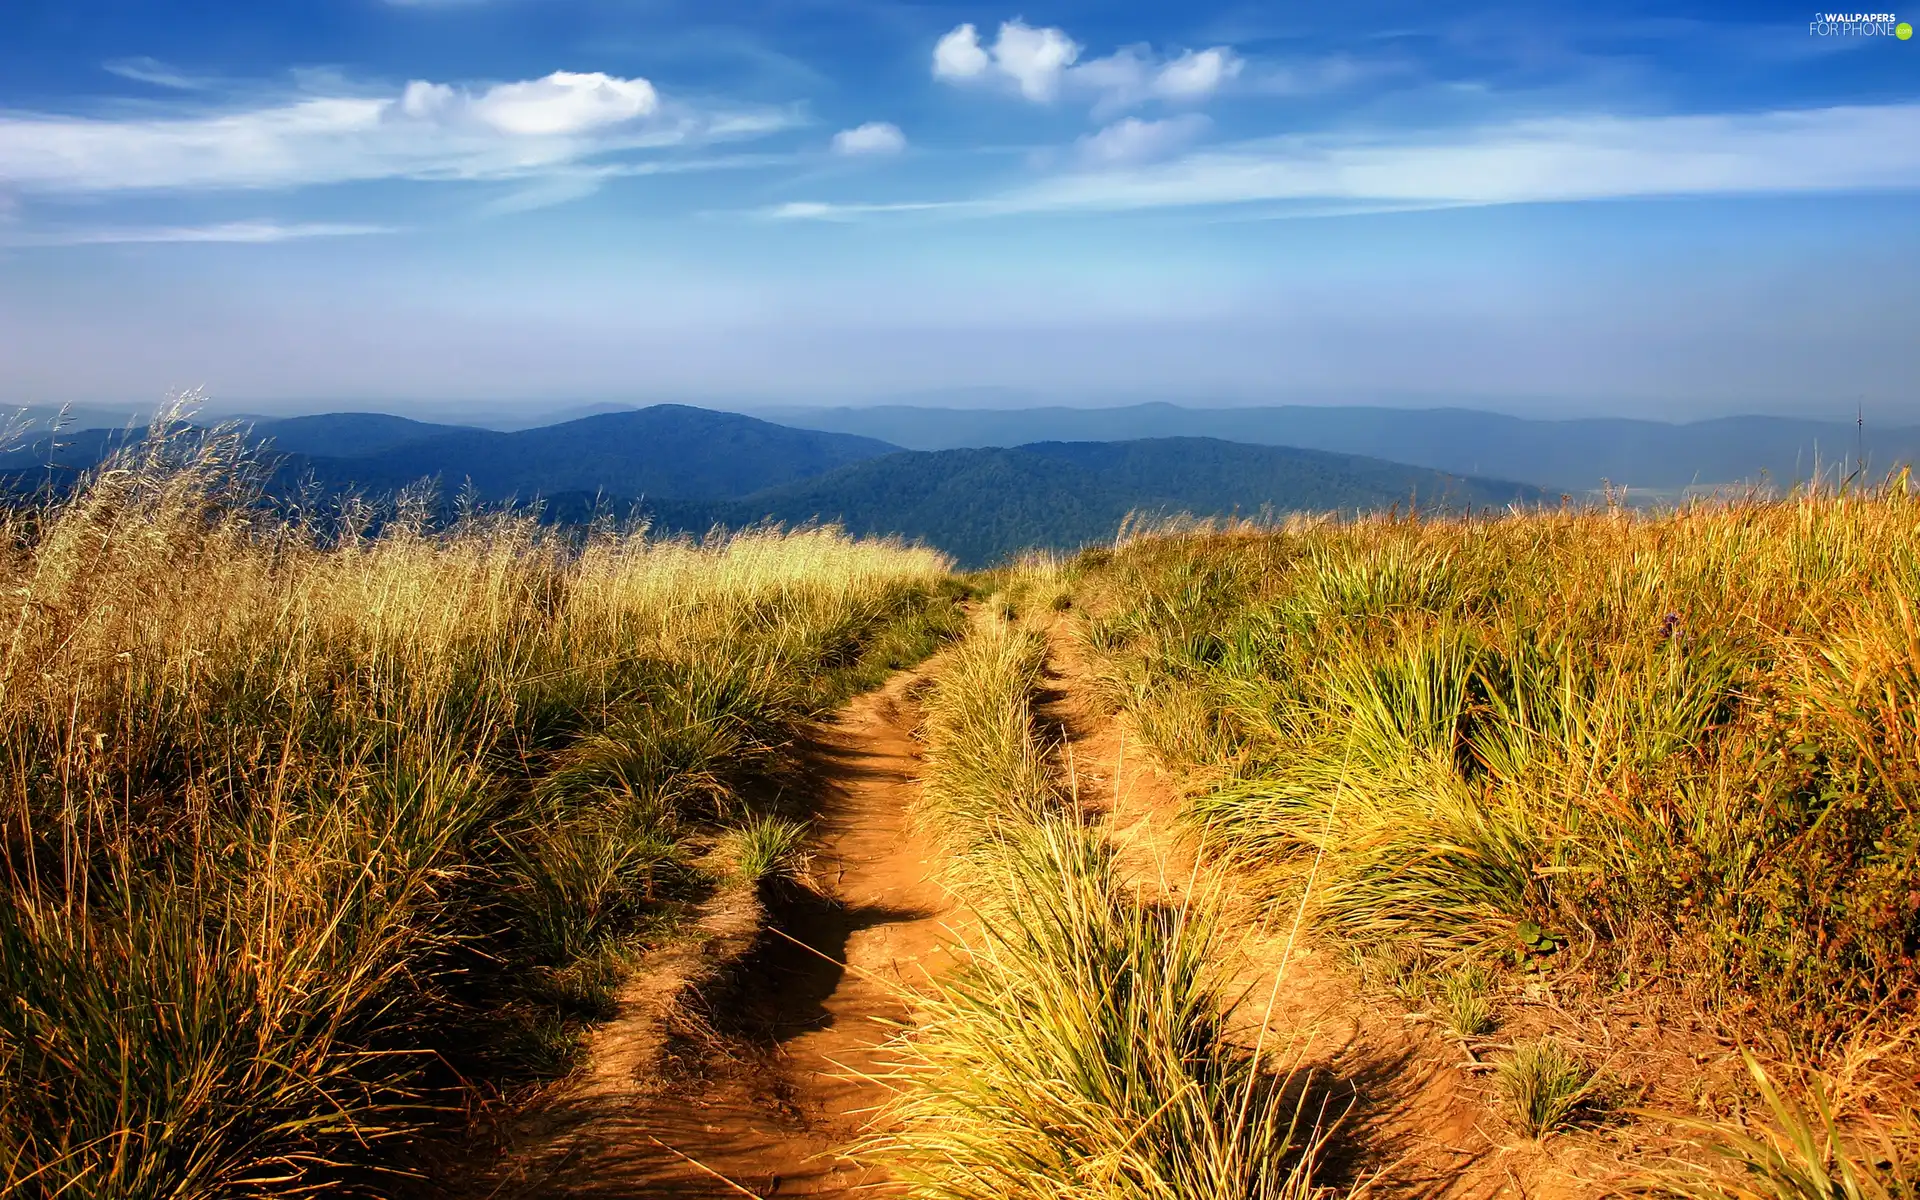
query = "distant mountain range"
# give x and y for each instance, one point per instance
(981, 505)
(1574, 456)
(691, 469)
(669, 450)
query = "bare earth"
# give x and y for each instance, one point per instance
(755, 1081)
(1420, 1122)
(751, 1083)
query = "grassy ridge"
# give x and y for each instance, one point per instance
(1678, 748)
(1673, 751)
(1082, 1051)
(310, 838)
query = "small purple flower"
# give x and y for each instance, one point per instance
(1670, 625)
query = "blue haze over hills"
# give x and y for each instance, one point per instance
(984, 484)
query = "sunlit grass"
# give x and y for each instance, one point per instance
(1795, 1150)
(1680, 746)
(1542, 1083)
(310, 821)
(1674, 751)
(1082, 1049)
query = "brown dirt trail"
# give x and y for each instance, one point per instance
(1420, 1124)
(751, 1078)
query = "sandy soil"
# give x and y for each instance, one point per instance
(750, 1078)
(744, 1061)
(1420, 1122)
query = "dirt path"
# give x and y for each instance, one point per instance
(752, 1082)
(1421, 1124)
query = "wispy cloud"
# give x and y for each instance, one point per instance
(1560, 160)
(564, 185)
(426, 131)
(1319, 76)
(1132, 140)
(152, 71)
(230, 231)
(811, 210)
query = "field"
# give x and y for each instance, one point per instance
(1626, 803)
(1678, 750)
(318, 838)
(332, 837)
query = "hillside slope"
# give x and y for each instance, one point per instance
(668, 451)
(1575, 455)
(690, 470)
(981, 505)
(349, 434)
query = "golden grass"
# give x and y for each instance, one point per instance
(1616, 750)
(309, 825)
(1082, 1050)
(1681, 745)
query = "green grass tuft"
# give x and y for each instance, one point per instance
(1543, 1084)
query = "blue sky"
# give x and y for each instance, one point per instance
(1665, 209)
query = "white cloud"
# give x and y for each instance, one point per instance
(875, 137)
(562, 103)
(1121, 78)
(230, 231)
(1132, 140)
(427, 131)
(958, 55)
(1542, 161)
(1198, 74)
(1033, 60)
(152, 71)
(1134, 75)
(1042, 62)
(565, 102)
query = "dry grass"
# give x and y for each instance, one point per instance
(1597, 748)
(311, 827)
(1674, 747)
(1795, 1150)
(1082, 1051)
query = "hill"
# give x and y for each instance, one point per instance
(341, 435)
(690, 470)
(1574, 455)
(982, 505)
(349, 435)
(669, 451)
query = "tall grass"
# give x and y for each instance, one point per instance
(987, 773)
(1674, 747)
(1793, 1150)
(1083, 1050)
(309, 830)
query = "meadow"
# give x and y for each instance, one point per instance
(328, 831)
(323, 832)
(1083, 1050)
(1588, 754)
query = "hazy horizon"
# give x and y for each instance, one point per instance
(1672, 211)
(508, 414)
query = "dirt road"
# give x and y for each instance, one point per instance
(1420, 1123)
(755, 1086)
(759, 1085)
